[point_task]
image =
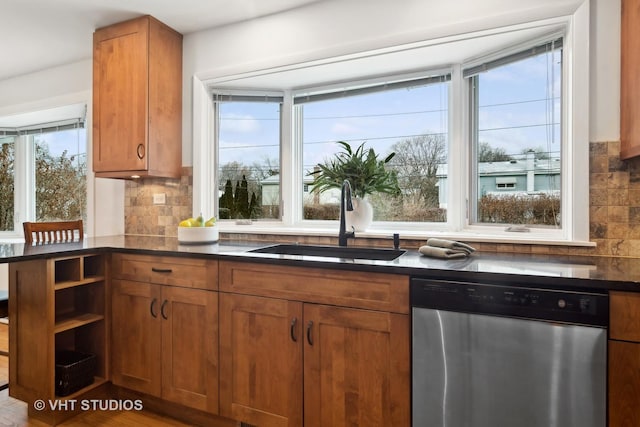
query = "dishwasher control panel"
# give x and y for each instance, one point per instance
(513, 301)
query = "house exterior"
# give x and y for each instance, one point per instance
(525, 176)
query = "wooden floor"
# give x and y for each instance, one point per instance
(13, 413)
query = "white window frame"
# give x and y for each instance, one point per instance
(575, 135)
(24, 184)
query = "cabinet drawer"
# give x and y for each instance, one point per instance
(357, 289)
(624, 323)
(185, 272)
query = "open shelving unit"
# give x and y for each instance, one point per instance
(61, 304)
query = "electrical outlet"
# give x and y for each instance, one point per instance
(159, 199)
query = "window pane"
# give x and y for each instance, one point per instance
(410, 122)
(61, 175)
(518, 135)
(249, 160)
(7, 180)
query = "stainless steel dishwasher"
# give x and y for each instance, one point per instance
(488, 355)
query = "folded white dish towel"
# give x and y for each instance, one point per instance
(436, 252)
(446, 249)
(450, 244)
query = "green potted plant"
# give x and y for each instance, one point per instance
(366, 173)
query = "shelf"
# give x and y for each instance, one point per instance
(72, 283)
(75, 320)
(97, 382)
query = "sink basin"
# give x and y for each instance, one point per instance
(374, 254)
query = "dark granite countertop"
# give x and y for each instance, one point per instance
(549, 271)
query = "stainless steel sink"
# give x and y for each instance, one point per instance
(375, 254)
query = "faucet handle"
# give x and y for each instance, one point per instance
(351, 233)
(396, 241)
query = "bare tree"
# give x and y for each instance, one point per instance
(487, 154)
(266, 167)
(6, 186)
(416, 162)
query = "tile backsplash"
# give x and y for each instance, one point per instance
(614, 210)
(143, 217)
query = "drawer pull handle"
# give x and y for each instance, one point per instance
(161, 270)
(294, 321)
(164, 303)
(153, 314)
(309, 326)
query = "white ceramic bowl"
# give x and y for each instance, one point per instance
(195, 235)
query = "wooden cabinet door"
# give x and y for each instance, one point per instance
(624, 384)
(261, 360)
(356, 367)
(629, 83)
(136, 336)
(190, 347)
(120, 94)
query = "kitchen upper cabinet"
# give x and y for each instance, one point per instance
(295, 360)
(137, 100)
(629, 82)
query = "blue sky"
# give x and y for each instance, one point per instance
(73, 140)
(513, 99)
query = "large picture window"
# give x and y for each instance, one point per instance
(489, 137)
(43, 168)
(408, 118)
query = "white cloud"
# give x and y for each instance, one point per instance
(342, 128)
(239, 123)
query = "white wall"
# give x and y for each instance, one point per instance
(64, 85)
(605, 71)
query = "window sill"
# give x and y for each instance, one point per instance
(533, 238)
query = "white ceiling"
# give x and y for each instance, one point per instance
(39, 34)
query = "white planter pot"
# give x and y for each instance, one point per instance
(361, 216)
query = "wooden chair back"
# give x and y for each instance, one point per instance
(52, 232)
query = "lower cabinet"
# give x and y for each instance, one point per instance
(164, 342)
(624, 383)
(289, 363)
(624, 359)
(57, 305)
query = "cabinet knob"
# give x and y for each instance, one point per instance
(294, 321)
(140, 151)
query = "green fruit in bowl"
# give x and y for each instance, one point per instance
(210, 222)
(200, 221)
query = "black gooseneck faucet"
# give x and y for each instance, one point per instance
(345, 205)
